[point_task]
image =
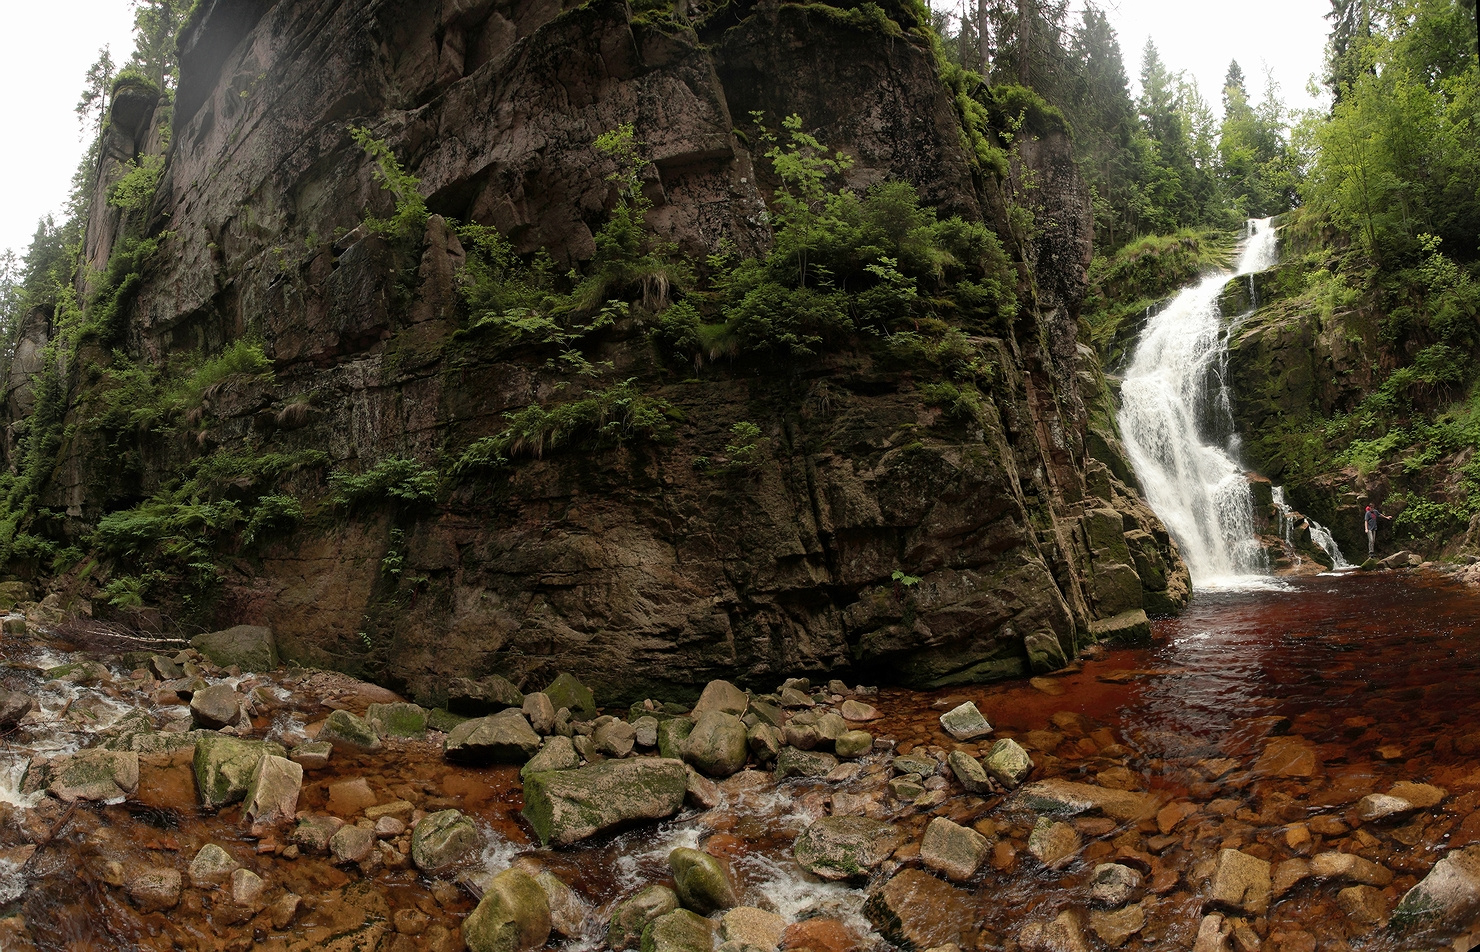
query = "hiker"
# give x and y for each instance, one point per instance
(1370, 520)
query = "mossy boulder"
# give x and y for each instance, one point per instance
(250, 647)
(504, 738)
(272, 792)
(345, 731)
(224, 767)
(95, 775)
(441, 839)
(678, 931)
(566, 806)
(401, 719)
(671, 736)
(568, 692)
(717, 746)
(632, 915)
(512, 916)
(557, 754)
(703, 883)
(845, 847)
(791, 762)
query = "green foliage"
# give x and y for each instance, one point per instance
(1146, 272)
(120, 284)
(131, 77)
(135, 190)
(746, 447)
(395, 480)
(960, 403)
(409, 220)
(598, 420)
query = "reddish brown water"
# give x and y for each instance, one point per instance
(1369, 678)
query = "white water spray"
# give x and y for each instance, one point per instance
(1319, 535)
(1177, 427)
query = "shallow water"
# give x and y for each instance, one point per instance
(1372, 674)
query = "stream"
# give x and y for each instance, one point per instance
(1257, 721)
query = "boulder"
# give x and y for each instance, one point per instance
(512, 916)
(351, 844)
(850, 744)
(154, 890)
(272, 793)
(1008, 763)
(954, 850)
(399, 719)
(791, 762)
(968, 770)
(346, 732)
(702, 882)
(1112, 885)
(671, 735)
(615, 738)
(14, 705)
(1241, 883)
(212, 866)
(567, 692)
(496, 739)
(721, 696)
(845, 847)
(557, 754)
(538, 708)
(717, 744)
(765, 741)
(215, 707)
(568, 912)
(748, 926)
(101, 775)
(678, 931)
(965, 722)
(1450, 893)
(914, 910)
(631, 916)
(247, 889)
(250, 647)
(314, 832)
(645, 731)
(1054, 843)
(858, 711)
(703, 792)
(566, 806)
(442, 839)
(1068, 797)
(313, 755)
(224, 767)
(485, 696)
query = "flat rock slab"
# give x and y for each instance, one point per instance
(95, 775)
(1066, 796)
(917, 911)
(965, 722)
(496, 739)
(250, 647)
(566, 806)
(721, 696)
(845, 847)
(1241, 883)
(1293, 757)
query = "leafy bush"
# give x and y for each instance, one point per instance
(600, 419)
(409, 220)
(135, 190)
(398, 479)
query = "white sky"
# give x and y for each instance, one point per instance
(45, 51)
(42, 70)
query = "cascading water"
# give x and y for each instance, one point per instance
(1177, 426)
(1290, 523)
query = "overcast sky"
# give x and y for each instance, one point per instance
(46, 49)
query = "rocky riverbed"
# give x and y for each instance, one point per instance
(167, 798)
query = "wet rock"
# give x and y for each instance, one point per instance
(1365, 905)
(401, 719)
(1288, 874)
(566, 806)
(1008, 763)
(212, 866)
(351, 844)
(247, 889)
(1115, 927)
(1424, 796)
(1065, 796)
(442, 839)
(631, 916)
(645, 731)
(703, 792)
(721, 696)
(802, 735)
(513, 915)
(917, 911)
(821, 934)
(615, 738)
(14, 705)
(487, 695)
(920, 765)
(540, 711)
(100, 775)
(717, 745)
(766, 712)
(1113, 885)
(968, 770)
(559, 753)
(678, 931)
(1054, 843)
(349, 797)
(1380, 806)
(1350, 867)
(906, 789)
(284, 910)
(1212, 934)
(313, 755)
(764, 741)
(671, 735)
(965, 722)
(845, 847)
(496, 739)
(314, 832)
(702, 882)
(568, 912)
(858, 711)
(567, 692)
(853, 744)
(794, 698)
(389, 827)
(752, 927)
(154, 890)
(1241, 883)
(830, 727)
(1065, 933)
(1449, 893)
(1293, 757)
(164, 669)
(272, 793)
(215, 707)
(249, 647)
(956, 851)
(345, 731)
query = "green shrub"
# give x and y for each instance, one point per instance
(398, 479)
(409, 220)
(600, 419)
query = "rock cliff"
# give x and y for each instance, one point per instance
(872, 533)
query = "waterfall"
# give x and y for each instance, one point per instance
(1178, 429)
(1319, 535)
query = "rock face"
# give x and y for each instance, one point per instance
(1025, 527)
